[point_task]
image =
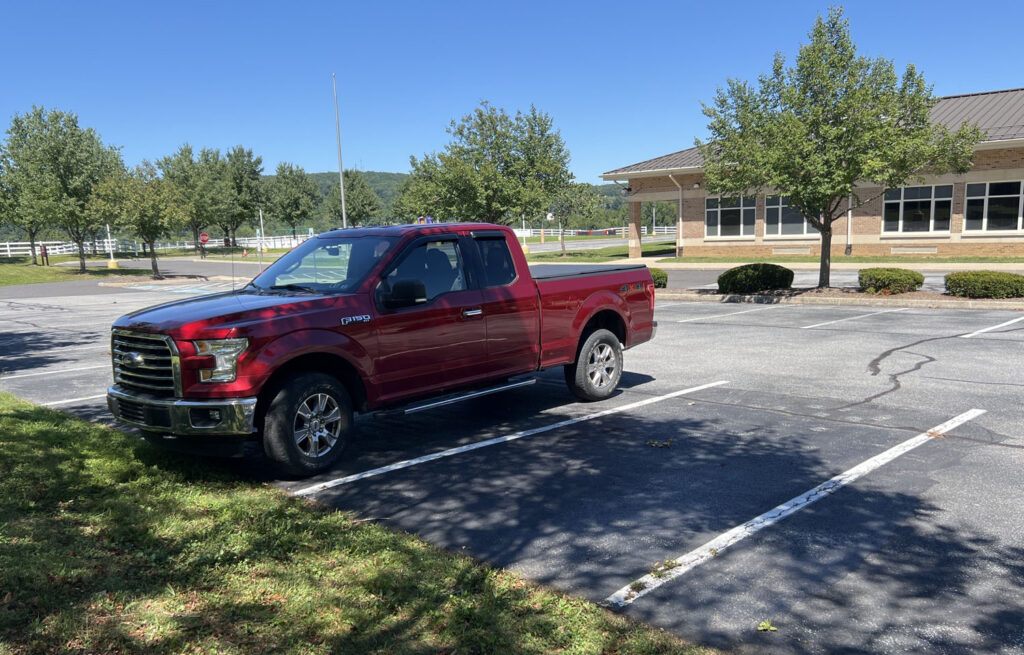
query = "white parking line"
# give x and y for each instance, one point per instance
(851, 318)
(745, 311)
(63, 370)
(711, 549)
(989, 329)
(73, 400)
(308, 491)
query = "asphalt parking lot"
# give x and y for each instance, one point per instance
(878, 525)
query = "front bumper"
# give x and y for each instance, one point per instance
(223, 416)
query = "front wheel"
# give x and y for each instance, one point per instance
(598, 367)
(308, 424)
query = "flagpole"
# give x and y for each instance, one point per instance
(341, 175)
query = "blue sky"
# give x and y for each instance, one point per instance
(622, 81)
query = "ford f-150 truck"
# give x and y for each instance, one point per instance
(391, 318)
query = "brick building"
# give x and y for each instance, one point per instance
(977, 213)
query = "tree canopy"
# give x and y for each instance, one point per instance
(292, 195)
(245, 193)
(362, 204)
(50, 165)
(816, 130)
(496, 168)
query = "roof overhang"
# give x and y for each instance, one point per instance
(998, 144)
(659, 172)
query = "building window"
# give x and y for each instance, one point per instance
(782, 220)
(993, 206)
(729, 217)
(918, 209)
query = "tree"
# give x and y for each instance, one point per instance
(244, 191)
(149, 206)
(292, 196)
(813, 131)
(49, 165)
(362, 204)
(574, 201)
(496, 168)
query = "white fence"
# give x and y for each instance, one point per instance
(621, 232)
(104, 246)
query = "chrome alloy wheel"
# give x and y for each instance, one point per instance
(601, 365)
(318, 424)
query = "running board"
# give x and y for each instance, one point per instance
(451, 400)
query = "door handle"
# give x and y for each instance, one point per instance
(469, 313)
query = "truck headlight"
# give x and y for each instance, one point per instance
(225, 354)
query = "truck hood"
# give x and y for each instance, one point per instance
(235, 311)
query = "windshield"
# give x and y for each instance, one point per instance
(325, 265)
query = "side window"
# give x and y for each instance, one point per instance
(497, 262)
(437, 264)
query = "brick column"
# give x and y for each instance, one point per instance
(634, 230)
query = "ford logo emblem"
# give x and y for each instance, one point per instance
(132, 359)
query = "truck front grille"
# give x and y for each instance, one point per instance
(145, 362)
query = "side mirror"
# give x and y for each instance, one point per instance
(404, 293)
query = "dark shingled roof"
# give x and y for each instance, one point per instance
(1000, 115)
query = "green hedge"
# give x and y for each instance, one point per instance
(985, 284)
(660, 278)
(751, 278)
(887, 281)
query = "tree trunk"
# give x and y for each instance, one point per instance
(152, 259)
(195, 238)
(561, 237)
(824, 272)
(234, 241)
(81, 254)
(32, 247)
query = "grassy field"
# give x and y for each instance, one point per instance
(108, 545)
(650, 249)
(25, 273)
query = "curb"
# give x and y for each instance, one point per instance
(682, 295)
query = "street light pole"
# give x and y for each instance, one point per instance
(341, 175)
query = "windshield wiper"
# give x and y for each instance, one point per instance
(294, 287)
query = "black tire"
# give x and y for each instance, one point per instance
(598, 367)
(308, 424)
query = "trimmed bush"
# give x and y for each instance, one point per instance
(751, 278)
(985, 284)
(887, 281)
(660, 278)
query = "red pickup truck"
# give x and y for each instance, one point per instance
(392, 318)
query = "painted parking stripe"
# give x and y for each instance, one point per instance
(852, 318)
(63, 370)
(73, 400)
(711, 549)
(994, 327)
(316, 488)
(745, 311)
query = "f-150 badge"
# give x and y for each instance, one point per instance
(362, 318)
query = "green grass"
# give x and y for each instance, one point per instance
(650, 249)
(25, 273)
(853, 259)
(108, 545)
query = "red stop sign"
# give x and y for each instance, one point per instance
(204, 237)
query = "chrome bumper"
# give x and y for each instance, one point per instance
(223, 416)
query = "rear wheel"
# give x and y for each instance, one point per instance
(308, 424)
(598, 367)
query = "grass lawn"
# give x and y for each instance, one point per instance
(23, 272)
(108, 545)
(650, 249)
(853, 259)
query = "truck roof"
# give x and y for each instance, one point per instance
(402, 230)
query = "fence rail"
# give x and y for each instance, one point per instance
(124, 246)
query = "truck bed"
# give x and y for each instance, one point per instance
(556, 271)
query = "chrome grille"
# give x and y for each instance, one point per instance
(145, 362)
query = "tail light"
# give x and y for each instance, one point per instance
(650, 295)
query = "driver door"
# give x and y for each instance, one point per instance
(439, 342)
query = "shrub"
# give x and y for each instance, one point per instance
(985, 284)
(754, 277)
(660, 278)
(889, 280)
